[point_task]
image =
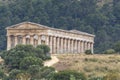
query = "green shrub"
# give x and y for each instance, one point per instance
(29, 61)
(66, 75)
(13, 74)
(96, 78)
(88, 52)
(2, 74)
(109, 51)
(117, 46)
(45, 48)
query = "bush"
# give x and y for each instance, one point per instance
(2, 75)
(45, 48)
(96, 78)
(29, 61)
(117, 46)
(13, 74)
(66, 75)
(109, 51)
(88, 52)
(14, 56)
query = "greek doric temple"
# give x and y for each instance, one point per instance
(59, 41)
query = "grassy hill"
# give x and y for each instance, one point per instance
(91, 65)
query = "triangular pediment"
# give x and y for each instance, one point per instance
(28, 25)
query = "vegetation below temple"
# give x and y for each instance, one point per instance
(25, 62)
(83, 15)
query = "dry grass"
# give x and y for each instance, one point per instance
(91, 65)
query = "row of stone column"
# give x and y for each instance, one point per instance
(12, 41)
(56, 44)
(66, 45)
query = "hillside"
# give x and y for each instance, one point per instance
(83, 15)
(91, 65)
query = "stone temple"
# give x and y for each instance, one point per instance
(59, 41)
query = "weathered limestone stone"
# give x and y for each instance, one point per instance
(59, 41)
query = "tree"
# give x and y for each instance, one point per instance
(109, 51)
(2, 74)
(45, 48)
(14, 56)
(29, 61)
(117, 47)
(88, 52)
(65, 75)
(13, 74)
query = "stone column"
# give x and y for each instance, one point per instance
(76, 46)
(58, 45)
(68, 46)
(31, 40)
(65, 43)
(51, 46)
(8, 42)
(85, 46)
(79, 47)
(39, 40)
(92, 50)
(82, 46)
(88, 45)
(61, 45)
(24, 40)
(54, 45)
(47, 40)
(15, 41)
(72, 45)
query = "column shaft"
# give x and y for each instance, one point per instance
(15, 40)
(47, 40)
(8, 43)
(72, 44)
(58, 45)
(51, 46)
(68, 46)
(85, 46)
(39, 40)
(79, 47)
(24, 40)
(75, 46)
(89, 46)
(92, 50)
(65, 47)
(31, 40)
(82, 46)
(61, 45)
(54, 45)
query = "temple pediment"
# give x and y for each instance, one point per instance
(27, 25)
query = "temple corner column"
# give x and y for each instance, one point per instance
(92, 48)
(8, 42)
